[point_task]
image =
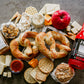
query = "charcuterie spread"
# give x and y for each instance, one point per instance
(38, 38)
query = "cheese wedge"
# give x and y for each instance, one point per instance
(8, 60)
(1, 68)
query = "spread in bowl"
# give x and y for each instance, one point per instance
(16, 66)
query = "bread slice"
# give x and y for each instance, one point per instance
(28, 77)
(33, 74)
(46, 65)
(40, 75)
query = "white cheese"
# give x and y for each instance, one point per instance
(5, 74)
(1, 68)
(9, 75)
(8, 60)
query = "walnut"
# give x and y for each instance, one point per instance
(10, 31)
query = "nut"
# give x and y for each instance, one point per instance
(10, 31)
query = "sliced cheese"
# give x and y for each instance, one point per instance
(2, 59)
(9, 75)
(5, 74)
(1, 68)
(8, 60)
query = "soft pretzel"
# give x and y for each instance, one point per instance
(50, 38)
(29, 52)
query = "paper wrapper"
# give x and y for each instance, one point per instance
(54, 77)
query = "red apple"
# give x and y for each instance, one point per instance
(60, 19)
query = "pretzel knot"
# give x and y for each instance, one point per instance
(49, 38)
(31, 49)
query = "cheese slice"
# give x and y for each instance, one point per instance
(2, 59)
(5, 74)
(8, 60)
(9, 75)
(1, 68)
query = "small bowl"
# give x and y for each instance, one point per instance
(9, 29)
(16, 66)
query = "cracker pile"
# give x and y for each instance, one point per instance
(41, 72)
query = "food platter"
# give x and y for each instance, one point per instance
(21, 78)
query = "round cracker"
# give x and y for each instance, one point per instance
(31, 10)
(28, 77)
(46, 65)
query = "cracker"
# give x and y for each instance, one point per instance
(40, 75)
(33, 74)
(46, 65)
(74, 30)
(76, 25)
(31, 10)
(28, 77)
(51, 8)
